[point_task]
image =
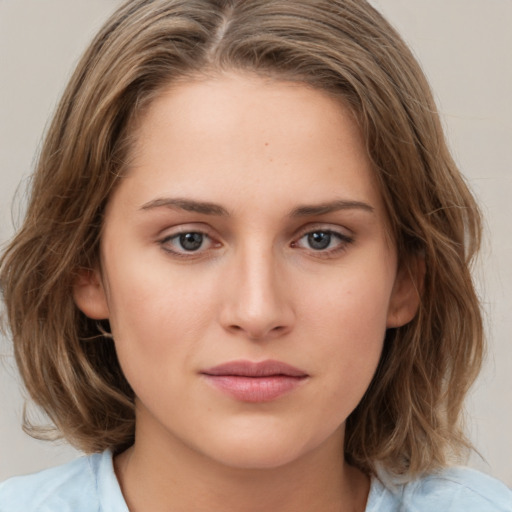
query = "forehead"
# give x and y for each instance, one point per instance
(251, 136)
(203, 104)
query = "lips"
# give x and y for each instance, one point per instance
(255, 382)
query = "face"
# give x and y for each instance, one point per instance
(247, 272)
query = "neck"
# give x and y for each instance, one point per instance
(170, 476)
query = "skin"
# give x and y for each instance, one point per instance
(256, 289)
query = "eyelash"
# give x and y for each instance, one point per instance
(183, 253)
(343, 241)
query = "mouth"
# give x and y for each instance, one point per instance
(254, 382)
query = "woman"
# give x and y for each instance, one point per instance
(243, 279)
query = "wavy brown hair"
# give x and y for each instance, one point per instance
(409, 419)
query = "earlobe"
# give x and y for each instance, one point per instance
(406, 294)
(89, 294)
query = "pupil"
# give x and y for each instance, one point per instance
(319, 240)
(191, 241)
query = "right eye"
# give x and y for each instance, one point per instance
(187, 242)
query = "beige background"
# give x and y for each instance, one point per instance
(465, 47)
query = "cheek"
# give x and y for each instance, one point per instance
(352, 305)
(347, 321)
(156, 314)
(351, 340)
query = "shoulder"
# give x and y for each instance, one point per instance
(450, 490)
(468, 489)
(66, 488)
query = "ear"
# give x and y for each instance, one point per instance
(89, 294)
(406, 293)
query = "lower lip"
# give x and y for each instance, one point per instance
(255, 389)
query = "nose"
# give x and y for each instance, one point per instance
(257, 303)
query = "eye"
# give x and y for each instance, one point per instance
(191, 241)
(319, 240)
(323, 241)
(187, 242)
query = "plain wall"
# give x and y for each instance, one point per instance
(465, 47)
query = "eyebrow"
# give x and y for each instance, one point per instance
(207, 208)
(188, 205)
(332, 206)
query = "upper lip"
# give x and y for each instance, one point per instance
(255, 369)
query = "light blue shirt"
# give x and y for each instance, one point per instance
(89, 484)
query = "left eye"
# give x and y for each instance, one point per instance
(186, 242)
(322, 240)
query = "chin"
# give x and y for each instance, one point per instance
(260, 449)
(257, 458)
